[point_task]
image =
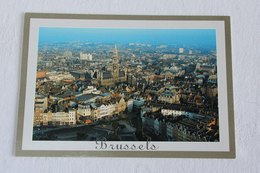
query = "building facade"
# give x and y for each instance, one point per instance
(110, 78)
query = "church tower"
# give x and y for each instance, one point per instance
(115, 65)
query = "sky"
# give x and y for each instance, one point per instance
(181, 37)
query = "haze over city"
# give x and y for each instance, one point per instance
(126, 85)
(205, 38)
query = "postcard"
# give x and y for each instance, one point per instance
(126, 86)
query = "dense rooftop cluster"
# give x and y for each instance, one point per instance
(78, 84)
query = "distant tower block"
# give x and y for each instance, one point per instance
(190, 52)
(181, 50)
(68, 54)
(85, 56)
(115, 65)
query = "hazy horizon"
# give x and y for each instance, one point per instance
(185, 37)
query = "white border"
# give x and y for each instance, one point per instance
(35, 24)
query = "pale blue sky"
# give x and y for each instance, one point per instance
(185, 37)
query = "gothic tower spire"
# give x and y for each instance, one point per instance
(115, 65)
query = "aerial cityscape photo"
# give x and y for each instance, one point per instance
(126, 85)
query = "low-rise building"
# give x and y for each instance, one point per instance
(40, 105)
(103, 111)
(59, 118)
(84, 110)
(120, 106)
(130, 105)
(94, 111)
(138, 103)
(171, 112)
(169, 97)
(72, 117)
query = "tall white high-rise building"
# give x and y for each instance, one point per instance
(85, 56)
(181, 50)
